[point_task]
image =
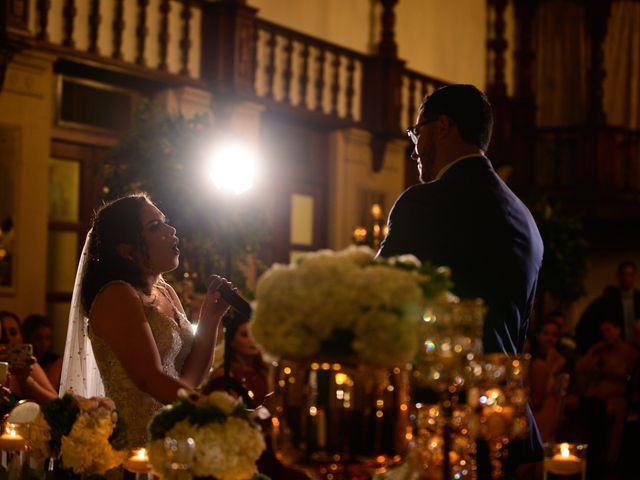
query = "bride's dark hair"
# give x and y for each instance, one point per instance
(117, 222)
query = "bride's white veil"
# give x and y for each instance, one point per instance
(80, 374)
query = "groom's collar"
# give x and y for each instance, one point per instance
(444, 169)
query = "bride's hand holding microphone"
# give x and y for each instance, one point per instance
(214, 306)
(222, 295)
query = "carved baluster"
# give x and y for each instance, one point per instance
(163, 35)
(303, 81)
(141, 30)
(350, 90)
(411, 100)
(270, 70)
(335, 83)
(69, 14)
(185, 41)
(94, 25)
(43, 19)
(287, 74)
(319, 83)
(118, 28)
(256, 56)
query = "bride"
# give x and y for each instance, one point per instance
(131, 320)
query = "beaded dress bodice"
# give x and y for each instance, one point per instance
(174, 339)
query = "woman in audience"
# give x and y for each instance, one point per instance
(25, 382)
(606, 369)
(245, 374)
(243, 371)
(143, 343)
(548, 379)
(38, 331)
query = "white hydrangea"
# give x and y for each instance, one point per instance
(226, 451)
(39, 438)
(301, 305)
(86, 450)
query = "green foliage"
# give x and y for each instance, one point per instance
(183, 409)
(61, 414)
(564, 264)
(165, 156)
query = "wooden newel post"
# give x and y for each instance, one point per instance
(382, 88)
(228, 47)
(497, 86)
(523, 112)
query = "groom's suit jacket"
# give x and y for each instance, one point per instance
(472, 222)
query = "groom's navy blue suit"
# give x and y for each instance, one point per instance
(472, 222)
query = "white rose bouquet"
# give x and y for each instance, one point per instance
(346, 302)
(227, 440)
(85, 435)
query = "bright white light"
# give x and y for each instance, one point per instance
(233, 167)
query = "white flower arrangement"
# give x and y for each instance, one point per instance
(86, 434)
(378, 302)
(227, 441)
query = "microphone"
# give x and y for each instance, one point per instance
(236, 302)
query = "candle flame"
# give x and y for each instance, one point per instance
(141, 454)
(564, 450)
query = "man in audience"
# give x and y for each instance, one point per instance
(619, 304)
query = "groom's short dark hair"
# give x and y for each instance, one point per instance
(469, 109)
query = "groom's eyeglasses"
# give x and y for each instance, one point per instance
(412, 131)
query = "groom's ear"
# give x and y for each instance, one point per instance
(125, 251)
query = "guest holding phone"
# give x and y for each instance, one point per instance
(27, 380)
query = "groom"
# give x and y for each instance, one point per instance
(464, 216)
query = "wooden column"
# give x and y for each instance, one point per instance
(382, 88)
(228, 47)
(496, 47)
(523, 142)
(598, 13)
(496, 88)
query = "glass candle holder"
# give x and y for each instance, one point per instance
(565, 461)
(179, 453)
(138, 463)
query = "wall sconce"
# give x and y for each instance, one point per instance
(377, 230)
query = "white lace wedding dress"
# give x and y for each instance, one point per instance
(174, 339)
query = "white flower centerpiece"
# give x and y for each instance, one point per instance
(227, 440)
(85, 436)
(346, 301)
(343, 327)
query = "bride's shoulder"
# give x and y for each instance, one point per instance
(117, 292)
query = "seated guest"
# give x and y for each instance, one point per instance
(38, 331)
(245, 374)
(548, 379)
(606, 369)
(244, 371)
(25, 382)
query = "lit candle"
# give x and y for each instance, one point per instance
(11, 440)
(4, 368)
(564, 463)
(138, 462)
